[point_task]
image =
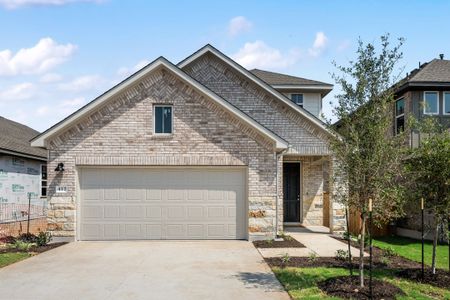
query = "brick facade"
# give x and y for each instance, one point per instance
(120, 133)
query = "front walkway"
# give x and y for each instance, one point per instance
(316, 239)
(143, 270)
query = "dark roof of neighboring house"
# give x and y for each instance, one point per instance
(433, 73)
(273, 78)
(15, 137)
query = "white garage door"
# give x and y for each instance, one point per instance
(169, 203)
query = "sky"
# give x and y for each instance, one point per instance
(57, 55)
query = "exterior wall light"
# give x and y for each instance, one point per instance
(60, 167)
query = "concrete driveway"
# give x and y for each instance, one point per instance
(143, 270)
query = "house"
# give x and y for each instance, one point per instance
(204, 149)
(423, 92)
(23, 174)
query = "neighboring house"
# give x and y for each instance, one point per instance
(23, 171)
(424, 92)
(200, 150)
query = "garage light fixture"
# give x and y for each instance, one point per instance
(60, 167)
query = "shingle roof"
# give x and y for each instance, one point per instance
(273, 78)
(15, 137)
(437, 70)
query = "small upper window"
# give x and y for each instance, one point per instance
(163, 119)
(447, 103)
(399, 116)
(431, 103)
(297, 99)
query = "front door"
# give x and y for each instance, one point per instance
(291, 198)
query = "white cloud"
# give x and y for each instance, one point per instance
(45, 55)
(61, 109)
(259, 55)
(319, 45)
(16, 92)
(83, 83)
(344, 45)
(239, 25)
(126, 71)
(50, 78)
(13, 4)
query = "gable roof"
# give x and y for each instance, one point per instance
(15, 139)
(433, 73)
(210, 49)
(275, 79)
(39, 141)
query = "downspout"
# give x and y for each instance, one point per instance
(277, 155)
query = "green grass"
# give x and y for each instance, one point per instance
(412, 249)
(301, 283)
(10, 258)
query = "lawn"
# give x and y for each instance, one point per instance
(301, 283)
(412, 250)
(12, 257)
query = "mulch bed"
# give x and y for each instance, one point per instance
(347, 287)
(288, 242)
(440, 279)
(33, 250)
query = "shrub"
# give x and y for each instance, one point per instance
(385, 260)
(27, 237)
(21, 245)
(389, 252)
(341, 255)
(43, 238)
(284, 236)
(312, 256)
(285, 259)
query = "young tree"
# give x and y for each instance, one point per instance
(368, 156)
(428, 167)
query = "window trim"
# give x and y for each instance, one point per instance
(443, 103)
(40, 181)
(398, 116)
(303, 99)
(424, 103)
(154, 120)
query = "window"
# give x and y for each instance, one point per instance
(297, 99)
(431, 103)
(447, 103)
(43, 180)
(163, 119)
(399, 115)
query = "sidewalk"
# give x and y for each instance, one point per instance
(317, 241)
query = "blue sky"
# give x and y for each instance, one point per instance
(57, 55)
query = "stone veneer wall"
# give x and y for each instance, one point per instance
(120, 134)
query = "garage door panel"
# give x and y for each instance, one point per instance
(111, 194)
(153, 213)
(132, 212)
(111, 211)
(92, 212)
(188, 203)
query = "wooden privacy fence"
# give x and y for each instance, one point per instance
(354, 225)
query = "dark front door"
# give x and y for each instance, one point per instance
(291, 199)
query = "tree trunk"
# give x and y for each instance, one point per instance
(350, 265)
(435, 239)
(361, 250)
